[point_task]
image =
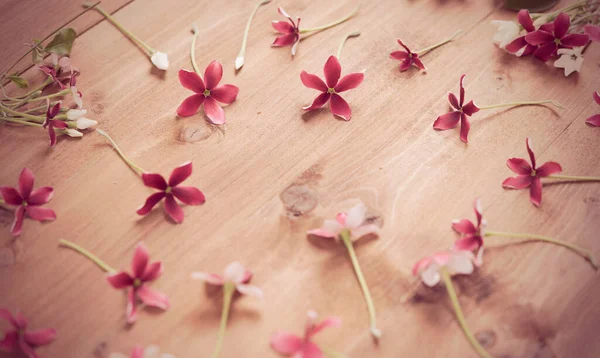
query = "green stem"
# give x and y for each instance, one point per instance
(345, 235)
(53, 95)
(427, 49)
(134, 167)
(349, 35)
(585, 253)
(460, 316)
(331, 353)
(103, 265)
(17, 121)
(522, 104)
(239, 60)
(573, 178)
(193, 48)
(46, 82)
(35, 109)
(228, 290)
(126, 32)
(332, 24)
(20, 114)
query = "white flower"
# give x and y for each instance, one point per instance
(570, 59)
(78, 115)
(148, 352)
(507, 32)
(454, 262)
(73, 133)
(160, 60)
(76, 97)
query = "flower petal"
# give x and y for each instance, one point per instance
(561, 25)
(528, 144)
(470, 108)
(160, 60)
(535, 192)
(519, 182)
(189, 195)
(120, 280)
(40, 337)
(417, 62)
(340, 107)
(431, 275)
(460, 262)
(519, 166)
(525, 20)
(141, 256)
(356, 216)
(225, 94)
(594, 120)
(40, 196)
(403, 45)
(152, 272)
(25, 183)
(539, 37)
(6, 315)
(447, 121)
(399, 55)
(192, 81)
(329, 322)
(180, 174)
(153, 298)
(311, 350)
(546, 51)
(469, 243)
(213, 75)
(52, 135)
(593, 31)
(464, 226)
(313, 81)
(10, 195)
(17, 225)
(405, 65)
(318, 102)
(27, 349)
(131, 310)
(209, 278)
(364, 230)
(173, 210)
(462, 90)
(516, 45)
(190, 105)
(213, 111)
(155, 181)
(40, 214)
(332, 71)
(285, 40)
(574, 40)
(547, 169)
(150, 203)
(596, 96)
(234, 272)
(249, 290)
(286, 343)
(349, 82)
(9, 342)
(283, 27)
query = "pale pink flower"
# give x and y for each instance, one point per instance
(289, 344)
(236, 274)
(353, 221)
(457, 262)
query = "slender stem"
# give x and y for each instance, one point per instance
(35, 109)
(53, 95)
(193, 48)
(126, 32)
(228, 290)
(103, 265)
(17, 121)
(460, 316)
(349, 35)
(20, 114)
(573, 178)
(239, 60)
(46, 82)
(585, 253)
(331, 353)
(332, 24)
(522, 104)
(363, 283)
(429, 48)
(135, 168)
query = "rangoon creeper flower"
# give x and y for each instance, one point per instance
(461, 113)
(50, 123)
(289, 344)
(78, 115)
(519, 46)
(507, 32)
(290, 32)
(22, 339)
(407, 58)
(595, 119)
(570, 59)
(551, 40)
(140, 352)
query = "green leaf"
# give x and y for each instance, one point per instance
(62, 43)
(19, 81)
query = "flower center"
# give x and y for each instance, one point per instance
(168, 190)
(573, 57)
(137, 282)
(24, 203)
(206, 93)
(557, 41)
(331, 90)
(532, 173)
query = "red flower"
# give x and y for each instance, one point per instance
(290, 32)
(408, 58)
(520, 46)
(21, 338)
(171, 190)
(462, 112)
(207, 92)
(28, 201)
(142, 273)
(550, 40)
(530, 175)
(51, 123)
(472, 235)
(595, 119)
(331, 87)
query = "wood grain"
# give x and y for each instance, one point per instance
(528, 300)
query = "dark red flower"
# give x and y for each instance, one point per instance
(407, 57)
(207, 92)
(171, 190)
(549, 41)
(461, 113)
(530, 175)
(20, 338)
(595, 119)
(136, 283)
(28, 201)
(51, 123)
(471, 234)
(331, 88)
(520, 46)
(290, 32)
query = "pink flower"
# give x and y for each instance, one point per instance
(455, 262)
(520, 46)
(407, 57)
(170, 190)
(236, 274)
(51, 123)
(290, 32)
(331, 87)
(207, 92)
(593, 31)
(289, 344)
(551, 40)
(353, 221)
(472, 235)
(595, 119)
(530, 175)
(140, 352)
(21, 338)
(462, 112)
(61, 71)
(136, 283)
(28, 201)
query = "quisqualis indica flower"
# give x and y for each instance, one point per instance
(50, 123)
(460, 113)
(140, 352)
(507, 32)
(519, 46)
(570, 59)
(160, 60)
(289, 344)
(595, 119)
(20, 338)
(471, 234)
(78, 115)
(352, 222)
(549, 41)
(289, 30)
(407, 58)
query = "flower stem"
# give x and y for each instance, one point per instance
(239, 60)
(349, 35)
(20, 114)
(18, 121)
(460, 316)
(53, 95)
(427, 49)
(228, 290)
(126, 32)
(573, 178)
(376, 332)
(585, 253)
(135, 168)
(319, 28)
(103, 265)
(522, 104)
(193, 48)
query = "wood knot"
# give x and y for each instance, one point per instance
(298, 200)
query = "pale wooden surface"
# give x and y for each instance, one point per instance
(537, 300)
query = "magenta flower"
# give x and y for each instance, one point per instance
(170, 190)
(471, 234)
(461, 113)
(454, 262)
(407, 57)
(550, 40)
(208, 92)
(290, 32)
(50, 123)
(27, 201)
(60, 70)
(595, 119)
(529, 176)
(289, 344)
(143, 272)
(331, 88)
(520, 46)
(20, 338)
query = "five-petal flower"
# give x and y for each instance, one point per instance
(407, 57)
(455, 262)
(507, 32)
(352, 221)
(550, 40)
(236, 274)
(50, 123)
(519, 46)
(595, 119)
(290, 32)
(570, 59)
(461, 113)
(289, 344)
(20, 338)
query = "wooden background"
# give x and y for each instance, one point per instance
(529, 300)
